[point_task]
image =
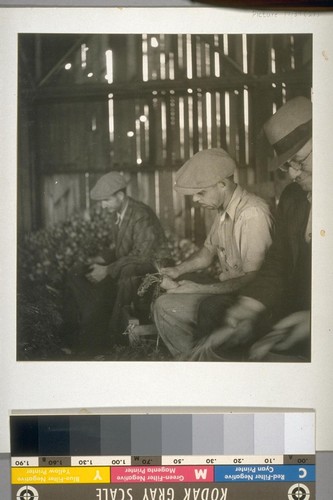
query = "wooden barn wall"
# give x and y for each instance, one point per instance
(191, 92)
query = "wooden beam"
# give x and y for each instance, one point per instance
(133, 89)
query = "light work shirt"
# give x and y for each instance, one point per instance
(241, 235)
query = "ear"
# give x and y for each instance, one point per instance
(222, 184)
(121, 195)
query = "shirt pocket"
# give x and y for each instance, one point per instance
(231, 264)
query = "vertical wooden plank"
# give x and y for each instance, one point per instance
(233, 127)
(173, 43)
(184, 58)
(281, 45)
(187, 150)
(195, 114)
(174, 128)
(152, 132)
(260, 105)
(204, 64)
(123, 152)
(141, 129)
(169, 128)
(131, 128)
(223, 127)
(166, 199)
(131, 52)
(97, 130)
(204, 128)
(157, 142)
(194, 56)
(148, 178)
(61, 197)
(133, 186)
(243, 168)
(142, 187)
(213, 112)
(28, 194)
(153, 53)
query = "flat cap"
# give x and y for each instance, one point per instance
(108, 185)
(205, 169)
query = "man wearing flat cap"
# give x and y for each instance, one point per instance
(271, 318)
(239, 237)
(111, 282)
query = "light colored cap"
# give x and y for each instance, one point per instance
(205, 169)
(108, 185)
(289, 129)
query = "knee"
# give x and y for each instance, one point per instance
(163, 305)
(127, 271)
(211, 312)
(206, 309)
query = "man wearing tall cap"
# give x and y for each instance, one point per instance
(113, 277)
(278, 299)
(239, 237)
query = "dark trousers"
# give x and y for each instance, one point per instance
(211, 313)
(93, 312)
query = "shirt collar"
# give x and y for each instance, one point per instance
(232, 205)
(120, 215)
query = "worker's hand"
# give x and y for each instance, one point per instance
(286, 334)
(224, 339)
(168, 283)
(245, 309)
(98, 259)
(186, 286)
(172, 272)
(96, 273)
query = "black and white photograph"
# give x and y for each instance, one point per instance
(164, 197)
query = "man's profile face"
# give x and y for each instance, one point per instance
(211, 198)
(300, 167)
(113, 203)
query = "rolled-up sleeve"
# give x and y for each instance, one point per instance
(253, 234)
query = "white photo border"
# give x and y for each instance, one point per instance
(51, 385)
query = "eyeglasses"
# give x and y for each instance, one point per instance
(297, 165)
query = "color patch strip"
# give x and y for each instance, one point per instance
(156, 436)
(85, 434)
(177, 434)
(299, 433)
(24, 436)
(116, 434)
(61, 475)
(239, 434)
(207, 434)
(53, 434)
(146, 435)
(269, 433)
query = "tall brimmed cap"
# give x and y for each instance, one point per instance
(205, 169)
(108, 185)
(289, 129)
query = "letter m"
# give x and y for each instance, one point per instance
(200, 473)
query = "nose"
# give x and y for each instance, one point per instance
(293, 173)
(104, 204)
